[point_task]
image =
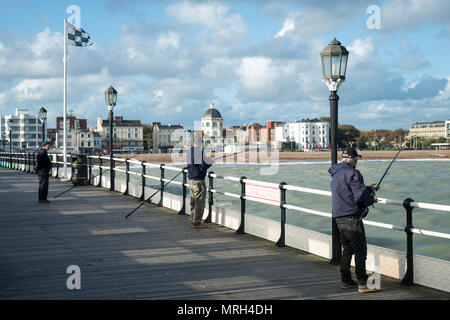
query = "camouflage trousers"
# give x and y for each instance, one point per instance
(197, 190)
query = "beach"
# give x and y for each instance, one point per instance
(254, 157)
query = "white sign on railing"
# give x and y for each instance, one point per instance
(262, 193)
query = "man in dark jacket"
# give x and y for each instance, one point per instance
(43, 168)
(349, 197)
(197, 164)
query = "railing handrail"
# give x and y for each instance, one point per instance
(26, 162)
(383, 201)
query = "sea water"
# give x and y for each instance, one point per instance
(421, 180)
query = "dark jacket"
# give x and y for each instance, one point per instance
(44, 164)
(197, 164)
(349, 195)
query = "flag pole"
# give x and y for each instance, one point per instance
(65, 103)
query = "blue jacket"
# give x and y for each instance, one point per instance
(349, 194)
(197, 164)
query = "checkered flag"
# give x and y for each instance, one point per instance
(77, 36)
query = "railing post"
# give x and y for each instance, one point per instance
(142, 197)
(90, 169)
(241, 229)
(210, 197)
(183, 208)
(127, 176)
(160, 204)
(281, 241)
(100, 169)
(112, 173)
(57, 166)
(29, 162)
(408, 278)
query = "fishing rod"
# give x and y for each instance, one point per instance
(373, 194)
(149, 198)
(80, 184)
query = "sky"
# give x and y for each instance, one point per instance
(258, 60)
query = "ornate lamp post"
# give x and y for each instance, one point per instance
(111, 99)
(334, 66)
(42, 114)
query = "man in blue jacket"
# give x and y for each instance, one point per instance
(349, 197)
(197, 164)
(43, 167)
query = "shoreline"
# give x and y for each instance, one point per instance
(292, 157)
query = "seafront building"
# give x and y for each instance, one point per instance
(128, 135)
(167, 136)
(304, 135)
(23, 130)
(430, 130)
(78, 141)
(72, 122)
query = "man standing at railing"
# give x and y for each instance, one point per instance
(197, 164)
(349, 197)
(43, 167)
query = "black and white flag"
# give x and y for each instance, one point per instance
(77, 36)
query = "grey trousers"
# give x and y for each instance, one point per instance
(197, 190)
(43, 187)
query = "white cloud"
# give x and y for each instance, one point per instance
(288, 25)
(169, 40)
(414, 13)
(224, 28)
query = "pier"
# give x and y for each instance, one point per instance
(154, 254)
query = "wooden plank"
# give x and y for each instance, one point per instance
(152, 255)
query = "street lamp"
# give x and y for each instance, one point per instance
(42, 114)
(334, 66)
(334, 59)
(111, 99)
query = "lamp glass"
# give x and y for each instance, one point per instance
(335, 64)
(344, 65)
(111, 97)
(326, 66)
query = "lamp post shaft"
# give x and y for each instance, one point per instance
(43, 131)
(334, 99)
(111, 172)
(336, 242)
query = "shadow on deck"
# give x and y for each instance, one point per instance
(152, 255)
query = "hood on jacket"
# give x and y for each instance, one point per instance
(338, 166)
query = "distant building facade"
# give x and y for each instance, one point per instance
(430, 130)
(72, 123)
(128, 135)
(166, 137)
(77, 141)
(305, 134)
(25, 129)
(447, 129)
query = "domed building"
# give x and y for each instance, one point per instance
(212, 124)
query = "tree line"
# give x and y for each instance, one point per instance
(380, 139)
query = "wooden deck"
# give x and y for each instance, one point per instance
(152, 255)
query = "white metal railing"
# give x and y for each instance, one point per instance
(408, 203)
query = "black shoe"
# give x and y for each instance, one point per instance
(349, 284)
(44, 201)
